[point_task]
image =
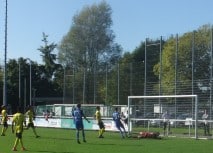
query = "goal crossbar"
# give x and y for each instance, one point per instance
(168, 96)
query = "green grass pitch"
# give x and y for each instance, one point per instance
(64, 141)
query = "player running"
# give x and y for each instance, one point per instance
(18, 121)
(100, 122)
(4, 120)
(30, 114)
(78, 120)
(117, 119)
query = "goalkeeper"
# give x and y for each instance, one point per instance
(166, 122)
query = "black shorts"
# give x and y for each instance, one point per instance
(30, 125)
(5, 124)
(19, 135)
(101, 125)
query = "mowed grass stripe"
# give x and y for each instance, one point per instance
(64, 141)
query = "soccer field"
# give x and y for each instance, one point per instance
(63, 141)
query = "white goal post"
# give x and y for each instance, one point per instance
(168, 96)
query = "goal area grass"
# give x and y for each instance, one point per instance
(53, 140)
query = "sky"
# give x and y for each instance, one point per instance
(133, 22)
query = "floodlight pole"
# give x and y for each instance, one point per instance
(84, 83)
(30, 81)
(73, 86)
(176, 67)
(118, 80)
(5, 60)
(211, 70)
(19, 91)
(106, 92)
(64, 85)
(192, 62)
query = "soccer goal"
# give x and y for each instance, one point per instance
(171, 115)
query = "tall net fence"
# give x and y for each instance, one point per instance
(177, 66)
(113, 88)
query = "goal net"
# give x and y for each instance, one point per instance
(170, 115)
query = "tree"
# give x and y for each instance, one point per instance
(131, 69)
(48, 57)
(196, 41)
(90, 44)
(19, 81)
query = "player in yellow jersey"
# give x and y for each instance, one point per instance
(30, 114)
(100, 122)
(18, 121)
(4, 120)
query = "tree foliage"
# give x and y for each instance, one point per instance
(89, 45)
(48, 57)
(90, 39)
(191, 56)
